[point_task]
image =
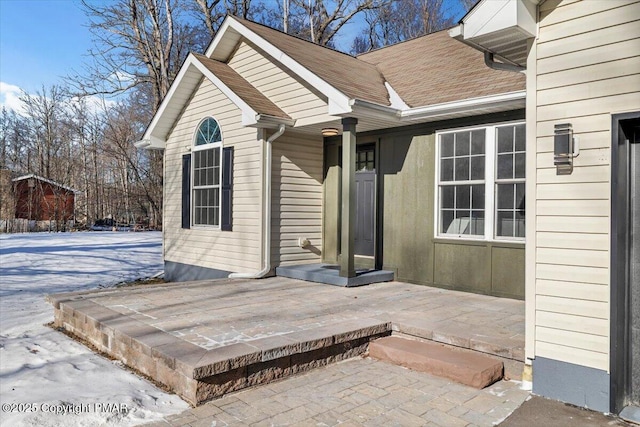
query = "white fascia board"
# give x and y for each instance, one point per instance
(266, 121)
(338, 101)
(143, 144)
(219, 35)
(373, 110)
(167, 99)
(465, 105)
(457, 31)
(152, 143)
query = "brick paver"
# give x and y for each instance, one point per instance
(358, 392)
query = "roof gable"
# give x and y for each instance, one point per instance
(256, 109)
(238, 85)
(354, 78)
(338, 76)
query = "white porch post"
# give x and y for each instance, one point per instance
(347, 268)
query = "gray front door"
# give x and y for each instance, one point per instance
(364, 244)
(365, 213)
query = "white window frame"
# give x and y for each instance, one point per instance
(489, 182)
(498, 181)
(197, 148)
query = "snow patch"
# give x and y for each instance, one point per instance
(49, 370)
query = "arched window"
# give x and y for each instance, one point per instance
(207, 173)
(208, 132)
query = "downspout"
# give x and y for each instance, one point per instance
(500, 66)
(267, 214)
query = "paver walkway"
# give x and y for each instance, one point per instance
(358, 392)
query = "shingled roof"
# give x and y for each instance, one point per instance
(427, 70)
(435, 68)
(356, 79)
(249, 94)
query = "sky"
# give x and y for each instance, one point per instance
(40, 41)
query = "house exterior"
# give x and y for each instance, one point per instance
(281, 152)
(40, 199)
(582, 61)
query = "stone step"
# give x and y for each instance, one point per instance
(467, 367)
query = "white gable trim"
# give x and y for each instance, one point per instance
(184, 84)
(156, 142)
(338, 101)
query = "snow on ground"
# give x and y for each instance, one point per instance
(43, 371)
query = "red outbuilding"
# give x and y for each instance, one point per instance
(41, 199)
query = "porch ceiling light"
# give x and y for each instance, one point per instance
(330, 132)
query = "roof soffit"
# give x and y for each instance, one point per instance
(502, 27)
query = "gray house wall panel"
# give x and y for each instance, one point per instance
(179, 272)
(405, 216)
(406, 204)
(575, 384)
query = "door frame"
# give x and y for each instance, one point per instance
(620, 292)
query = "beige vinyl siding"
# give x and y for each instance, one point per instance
(237, 250)
(588, 67)
(296, 98)
(297, 198)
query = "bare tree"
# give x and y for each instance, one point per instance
(325, 19)
(401, 20)
(15, 141)
(136, 44)
(136, 174)
(211, 14)
(44, 111)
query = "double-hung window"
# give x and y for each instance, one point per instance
(207, 173)
(481, 182)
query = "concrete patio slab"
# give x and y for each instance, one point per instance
(204, 339)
